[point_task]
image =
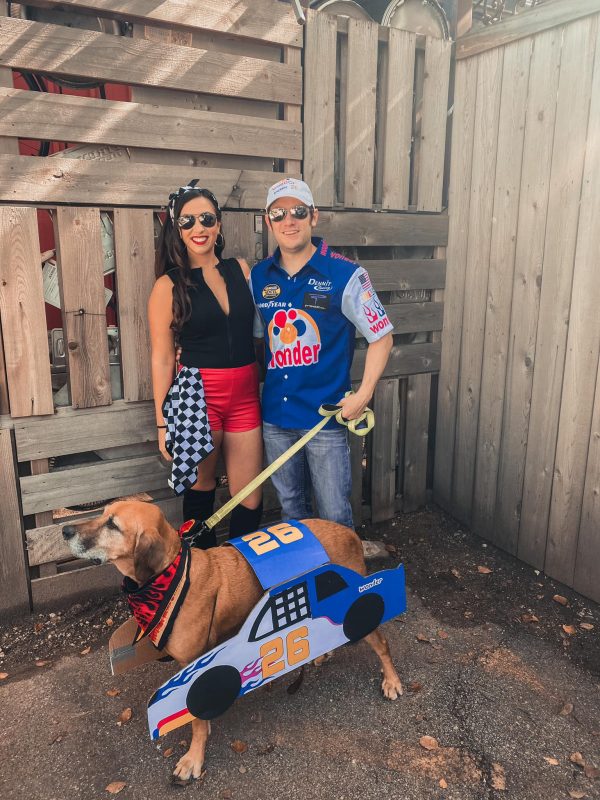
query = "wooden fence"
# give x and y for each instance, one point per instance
(518, 424)
(233, 84)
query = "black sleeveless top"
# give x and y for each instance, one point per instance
(210, 338)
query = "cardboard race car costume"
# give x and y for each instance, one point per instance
(310, 607)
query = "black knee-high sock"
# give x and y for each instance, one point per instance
(199, 504)
(244, 520)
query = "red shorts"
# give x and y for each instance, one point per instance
(232, 398)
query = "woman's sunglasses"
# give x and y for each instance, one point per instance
(279, 214)
(206, 219)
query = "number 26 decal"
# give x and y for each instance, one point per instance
(296, 647)
(264, 541)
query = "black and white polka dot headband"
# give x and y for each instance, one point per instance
(190, 187)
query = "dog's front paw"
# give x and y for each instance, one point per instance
(188, 769)
(391, 687)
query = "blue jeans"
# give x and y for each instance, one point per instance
(323, 465)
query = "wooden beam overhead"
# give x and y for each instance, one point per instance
(66, 118)
(57, 50)
(267, 21)
(549, 15)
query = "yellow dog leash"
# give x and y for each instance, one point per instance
(359, 426)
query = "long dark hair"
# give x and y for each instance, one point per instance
(172, 252)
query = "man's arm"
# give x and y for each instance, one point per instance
(377, 357)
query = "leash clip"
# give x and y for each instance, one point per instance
(192, 532)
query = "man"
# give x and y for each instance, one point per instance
(310, 301)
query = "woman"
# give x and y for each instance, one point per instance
(203, 305)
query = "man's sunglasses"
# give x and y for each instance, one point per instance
(206, 219)
(279, 214)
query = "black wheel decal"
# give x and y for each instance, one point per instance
(213, 692)
(363, 616)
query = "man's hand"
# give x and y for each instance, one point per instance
(353, 405)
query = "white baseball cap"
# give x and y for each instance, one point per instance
(290, 187)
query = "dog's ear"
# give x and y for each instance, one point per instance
(148, 555)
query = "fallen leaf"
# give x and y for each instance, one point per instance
(442, 634)
(85, 651)
(443, 784)
(577, 758)
(110, 622)
(558, 598)
(113, 692)
(41, 663)
(238, 746)
(591, 772)
(468, 614)
(414, 686)
(182, 743)
(552, 761)
(576, 794)
(484, 570)
(455, 572)
(168, 752)
(3, 676)
(570, 629)
(38, 626)
(428, 743)
(566, 710)
(422, 638)
(587, 626)
(243, 770)
(125, 716)
(498, 777)
(529, 618)
(115, 787)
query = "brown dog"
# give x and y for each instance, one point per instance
(138, 540)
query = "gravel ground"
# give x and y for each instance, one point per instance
(503, 678)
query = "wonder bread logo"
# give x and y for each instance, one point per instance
(294, 339)
(271, 291)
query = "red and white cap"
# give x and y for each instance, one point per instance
(290, 187)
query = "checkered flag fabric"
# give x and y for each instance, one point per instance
(188, 437)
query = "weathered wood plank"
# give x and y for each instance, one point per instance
(582, 352)
(319, 106)
(10, 146)
(4, 404)
(268, 21)
(82, 430)
(478, 253)
(513, 106)
(67, 180)
(568, 153)
(398, 119)
(588, 545)
(22, 311)
(386, 405)
(549, 15)
(70, 52)
(240, 238)
(134, 249)
(361, 228)
(57, 591)
(66, 118)
(529, 256)
(81, 262)
(406, 274)
(14, 579)
(292, 112)
(360, 113)
(418, 402)
(94, 482)
(414, 317)
(409, 359)
(433, 123)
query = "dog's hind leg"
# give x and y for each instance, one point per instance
(190, 765)
(391, 685)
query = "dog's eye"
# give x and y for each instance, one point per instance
(110, 523)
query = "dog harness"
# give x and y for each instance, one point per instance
(155, 604)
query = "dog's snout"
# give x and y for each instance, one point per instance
(69, 532)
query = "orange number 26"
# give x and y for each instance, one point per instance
(296, 647)
(264, 541)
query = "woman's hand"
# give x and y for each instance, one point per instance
(162, 435)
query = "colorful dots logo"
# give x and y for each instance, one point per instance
(294, 339)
